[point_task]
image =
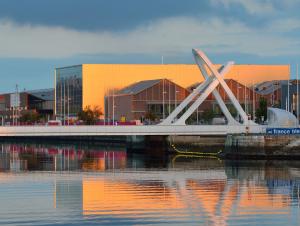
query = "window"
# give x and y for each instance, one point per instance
(68, 91)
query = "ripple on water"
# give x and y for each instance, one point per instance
(64, 186)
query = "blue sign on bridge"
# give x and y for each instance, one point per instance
(283, 131)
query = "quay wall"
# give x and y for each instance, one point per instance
(263, 146)
(239, 146)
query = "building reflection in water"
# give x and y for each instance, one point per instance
(18, 157)
(208, 195)
(190, 190)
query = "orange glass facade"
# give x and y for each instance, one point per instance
(99, 80)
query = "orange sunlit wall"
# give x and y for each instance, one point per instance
(99, 79)
(117, 197)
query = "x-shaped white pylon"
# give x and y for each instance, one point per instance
(206, 88)
(224, 109)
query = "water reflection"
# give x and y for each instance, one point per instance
(20, 157)
(187, 191)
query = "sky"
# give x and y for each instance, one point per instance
(37, 36)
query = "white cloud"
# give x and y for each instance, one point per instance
(169, 36)
(252, 6)
(285, 24)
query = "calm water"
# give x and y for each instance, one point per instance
(66, 185)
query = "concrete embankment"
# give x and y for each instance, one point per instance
(230, 146)
(196, 144)
(239, 146)
(263, 147)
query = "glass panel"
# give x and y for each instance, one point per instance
(68, 91)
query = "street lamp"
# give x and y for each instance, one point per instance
(197, 115)
(68, 104)
(176, 91)
(164, 92)
(245, 99)
(64, 117)
(169, 98)
(297, 82)
(253, 100)
(164, 112)
(238, 93)
(113, 106)
(288, 96)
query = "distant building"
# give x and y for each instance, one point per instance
(87, 84)
(246, 96)
(139, 99)
(157, 97)
(289, 96)
(271, 91)
(13, 105)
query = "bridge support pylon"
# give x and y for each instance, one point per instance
(213, 78)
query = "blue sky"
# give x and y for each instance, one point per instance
(37, 36)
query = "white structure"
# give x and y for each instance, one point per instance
(154, 130)
(212, 78)
(280, 118)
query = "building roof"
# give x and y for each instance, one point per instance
(195, 85)
(139, 86)
(44, 94)
(267, 87)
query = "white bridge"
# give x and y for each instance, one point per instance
(174, 124)
(40, 131)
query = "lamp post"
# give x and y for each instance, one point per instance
(288, 95)
(297, 112)
(17, 104)
(197, 115)
(176, 91)
(113, 107)
(108, 107)
(68, 104)
(64, 117)
(13, 115)
(245, 101)
(169, 110)
(163, 98)
(238, 93)
(61, 99)
(253, 101)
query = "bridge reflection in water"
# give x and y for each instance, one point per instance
(115, 187)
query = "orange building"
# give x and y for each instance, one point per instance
(88, 84)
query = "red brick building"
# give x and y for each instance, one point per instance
(134, 102)
(159, 97)
(246, 96)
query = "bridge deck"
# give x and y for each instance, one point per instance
(128, 130)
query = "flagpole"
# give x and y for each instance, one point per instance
(297, 93)
(253, 101)
(288, 96)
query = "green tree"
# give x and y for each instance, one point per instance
(208, 115)
(232, 110)
(90, 115)
(30, 117)
(261, 111)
